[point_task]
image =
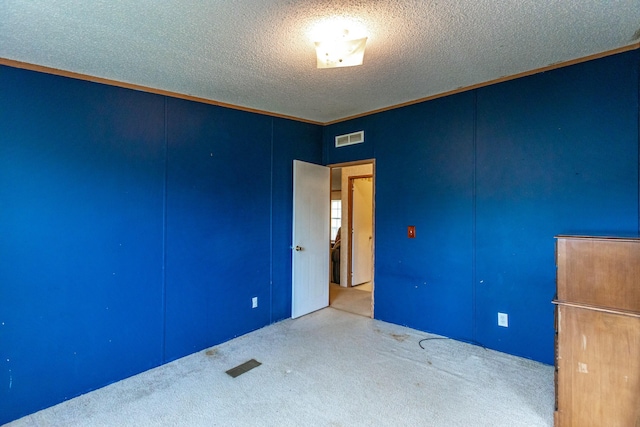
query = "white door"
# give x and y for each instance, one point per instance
(311, 238)
(362, 231)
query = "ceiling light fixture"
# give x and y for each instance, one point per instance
(340, 51)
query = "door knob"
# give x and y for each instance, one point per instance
(298, 248)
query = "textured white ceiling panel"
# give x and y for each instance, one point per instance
(260, 54)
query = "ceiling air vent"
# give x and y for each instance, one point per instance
(350, 139)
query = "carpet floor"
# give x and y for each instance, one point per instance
(329, 368)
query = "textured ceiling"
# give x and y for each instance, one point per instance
(260, 54)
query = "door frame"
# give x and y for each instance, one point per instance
(372, 162)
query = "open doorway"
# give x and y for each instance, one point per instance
(352, 237)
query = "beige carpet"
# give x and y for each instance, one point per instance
(356, 300)
(329, 368)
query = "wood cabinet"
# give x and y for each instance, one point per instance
(597, 332)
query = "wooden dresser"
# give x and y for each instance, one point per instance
(597, 332)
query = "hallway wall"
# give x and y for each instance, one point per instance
(347, 172)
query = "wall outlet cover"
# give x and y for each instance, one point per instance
(503, 320)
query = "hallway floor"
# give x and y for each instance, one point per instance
(356, 300)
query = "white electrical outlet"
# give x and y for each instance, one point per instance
(503, 320)
(254, 302)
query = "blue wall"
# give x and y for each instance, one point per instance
(488, 177)
(134, 229)
(557, 153)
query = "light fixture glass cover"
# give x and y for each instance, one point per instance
(340, 53)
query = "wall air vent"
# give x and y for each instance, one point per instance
(350, 139)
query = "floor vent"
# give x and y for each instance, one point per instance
(245, 367)
(350, 139)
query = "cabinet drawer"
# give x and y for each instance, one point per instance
(602, 272)
(598, 368)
